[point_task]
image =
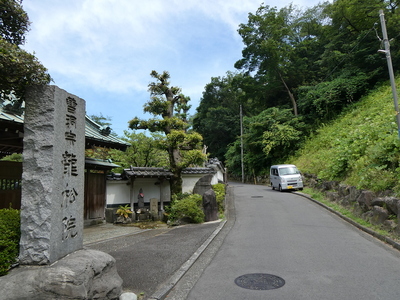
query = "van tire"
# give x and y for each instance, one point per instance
(273, 188)
(280, 188)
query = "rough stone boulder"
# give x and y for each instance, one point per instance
(332, 196)
(210, 206)
(379, 216)
(392, 205)
(365, 199)
(328, 185)
(203, 185)
(84, 274)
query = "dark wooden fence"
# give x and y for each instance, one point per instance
(10, 184)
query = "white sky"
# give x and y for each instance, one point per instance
(104, 50)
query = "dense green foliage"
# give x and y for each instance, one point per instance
(268, 135)
(12, 157)
(361, 147)
(188, 206)
(142, 152)
(18, 68)
(220, 193)
(9, 238)
(220, 105)
(307, 65)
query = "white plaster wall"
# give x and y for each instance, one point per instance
(118, 192)
(150, 189)
(188, 182)
(219, 176)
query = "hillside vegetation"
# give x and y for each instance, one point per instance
(301, 69)
(360, 147)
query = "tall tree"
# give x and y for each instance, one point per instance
(184, 148)
(19, 68)
(221, 97)
(270, 38)
(269, 138)
(143, 151)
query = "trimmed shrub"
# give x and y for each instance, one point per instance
(9, 238)
(219, 190)
(186, 206)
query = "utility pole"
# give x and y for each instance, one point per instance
(390, 67)
(241, 141)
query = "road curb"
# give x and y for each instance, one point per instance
(167, 286)
(379, 236)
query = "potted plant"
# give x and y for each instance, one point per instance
(123, 213)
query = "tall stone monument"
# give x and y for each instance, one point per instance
(53, 175)
(52, 208)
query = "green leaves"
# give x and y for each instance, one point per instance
(9, 238)
(124, 211)
(189, 206)
(145, 151)
(19, 69)
(360, 148)
(14, 22)
(269, 138)
(183, 147)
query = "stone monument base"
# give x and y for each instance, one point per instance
(83, 274)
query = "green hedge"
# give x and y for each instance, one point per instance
(9, 238)
(219, 190)
(186, 206)
(190, 206)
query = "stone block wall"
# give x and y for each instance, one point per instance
(378, 208)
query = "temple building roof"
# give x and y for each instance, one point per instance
(12, 133)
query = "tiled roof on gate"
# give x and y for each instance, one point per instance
(198, 170)
(147, 172)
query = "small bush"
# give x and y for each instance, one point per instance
(9, 238)
(219, 190)
(186, 206)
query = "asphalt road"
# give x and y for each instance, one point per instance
(317, 254)
(147, 260)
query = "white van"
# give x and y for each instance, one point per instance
(285, 177)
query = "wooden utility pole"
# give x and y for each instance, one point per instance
(241, 141)
(390, 67)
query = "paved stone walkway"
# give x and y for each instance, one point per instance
(103, 232)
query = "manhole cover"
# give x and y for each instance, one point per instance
(257, 196)
(259, 281)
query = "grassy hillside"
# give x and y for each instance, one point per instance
(360, 148)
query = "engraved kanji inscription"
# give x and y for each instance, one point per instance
(71, 105)
(69, 161)
(69, 230)
(70, 136)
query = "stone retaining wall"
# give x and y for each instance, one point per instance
(378, 208)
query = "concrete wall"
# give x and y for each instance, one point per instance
(189, 181)
(120, 192)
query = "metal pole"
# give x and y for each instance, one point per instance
(390, 67)
(241, 141)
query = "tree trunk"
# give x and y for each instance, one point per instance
(176, 183)
(290, 95)
(176, 180)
